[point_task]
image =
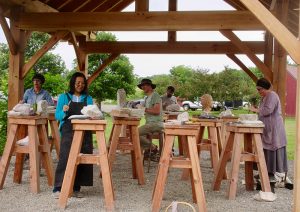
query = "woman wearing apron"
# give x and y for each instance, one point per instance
(70, 104)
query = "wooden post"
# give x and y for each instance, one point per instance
(268, 55)
(15, 81)
(297, 152)
(172, 7)
(141, 5)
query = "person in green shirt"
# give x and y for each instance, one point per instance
(153, 112)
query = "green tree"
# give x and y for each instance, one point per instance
(4, 58)
(162, 82)
(119, 74)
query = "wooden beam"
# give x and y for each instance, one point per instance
(131, 21)
(121, 6)
(48, 45)
(243, 67)
(30, 5)
(172, 34)
(268, 54)
(288, 41)
(243, 47)
(111, 58)
(141, 5)
(80, 55)
(10, 40)
(185, 47)
(15, 81)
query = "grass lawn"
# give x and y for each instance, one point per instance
(290, 126)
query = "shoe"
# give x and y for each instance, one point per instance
(77, 194)
(56, 194)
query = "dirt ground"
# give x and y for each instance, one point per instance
(132, 197)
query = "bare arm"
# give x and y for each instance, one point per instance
(155, 110)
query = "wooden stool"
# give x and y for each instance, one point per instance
(55, 141)
(250, 135)
(38, 142)
(76, 158)
(131, 143)
(190, 162)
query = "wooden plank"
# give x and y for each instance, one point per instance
(114, 144)
(134, 132)
(214, 147)
(221, 168)
(288, 41)
(9, 38)
(55, 136)
(18, 172)
(48, 45)
(71, 169)
(180, 164)
(179, 47)
(46, 155)
(248, 165)
(262, 167)
(235, 165)
(268, 54)
(8, 150)
(121, 5)
(141, 5)
(15, 81)
(172, 34)
(34, 160)
(296, 195)
(81, 56)
(139, 21)
(243, 66)
(196, 173)
(101, 68)
(106, 171)
(260, 65)
(162, 173)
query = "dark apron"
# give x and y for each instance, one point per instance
(84, 174)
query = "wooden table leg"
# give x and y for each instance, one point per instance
(138, 154)
(235, 165)
(262, 167)
(18, 173)
(46, 155)
(106, 173)
(197, 177)
(114, 144)
(214, 147)
(186, 172)
(8, 150)
(221, 168)
(70, 173)
(248, 165)
(34, 159)
(162, 172)
(55, 137)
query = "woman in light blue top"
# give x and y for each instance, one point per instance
(70, 104)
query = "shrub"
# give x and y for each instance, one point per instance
(3, 124)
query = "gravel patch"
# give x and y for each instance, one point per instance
(132, 197)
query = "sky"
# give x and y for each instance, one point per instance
(151, 64)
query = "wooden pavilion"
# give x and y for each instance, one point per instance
(75, 20)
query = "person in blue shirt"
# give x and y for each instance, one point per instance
(36, 94)
(69, 104)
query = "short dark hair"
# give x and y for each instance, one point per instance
(264, 83)
(171, 88)
(39, 77)
(73, 80)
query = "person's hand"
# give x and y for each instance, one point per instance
(65, 108)
(253, 109)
